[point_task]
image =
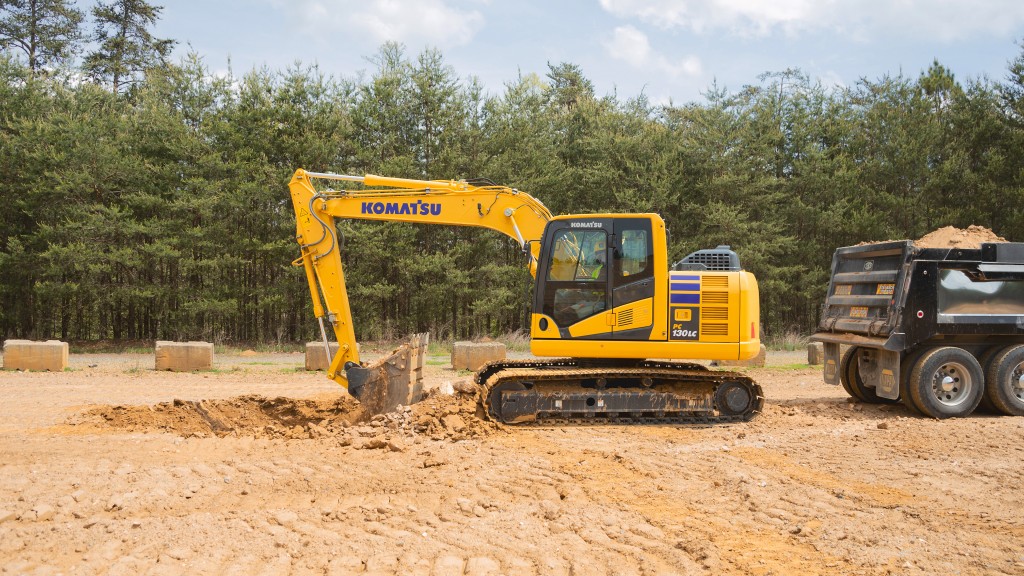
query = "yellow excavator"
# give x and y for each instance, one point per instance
(614, 328)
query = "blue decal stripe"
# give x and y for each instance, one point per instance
(684, 298)
(681, 277)
(686, 287)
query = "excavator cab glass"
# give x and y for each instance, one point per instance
(578, 275)
(590, 266)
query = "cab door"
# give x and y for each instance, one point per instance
(632, 279)
(574, 284)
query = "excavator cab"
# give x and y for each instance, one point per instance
(595, 278)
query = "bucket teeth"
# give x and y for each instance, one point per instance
(392, 381)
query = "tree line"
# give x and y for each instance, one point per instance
(147, 199)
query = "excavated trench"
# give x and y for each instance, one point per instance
(453, 416)
(243, 415)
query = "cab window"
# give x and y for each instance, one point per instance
(635, 255)
(579, 256)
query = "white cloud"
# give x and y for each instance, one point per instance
(862, 19)
(744, 17)
(440, 23)
(632, 47)
(832, 79)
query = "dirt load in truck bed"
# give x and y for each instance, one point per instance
(952, 237)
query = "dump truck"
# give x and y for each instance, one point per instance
(938, 329)
(614, 328)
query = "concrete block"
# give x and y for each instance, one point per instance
(315, 357)
(28, 355)
(756, 361)
(184, 356)
(473, 355)
(815, 353)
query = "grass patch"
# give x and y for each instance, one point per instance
(439, 347)
(784, 367)
(232, 370)
(272, 348)
(148, 346)
(788, 341)
(438, 362)
(514, 341)
(112, 347)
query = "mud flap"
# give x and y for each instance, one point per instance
(831, 369)
(395, 380)
(880, 369)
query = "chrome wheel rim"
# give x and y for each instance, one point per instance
(952, 384)
(1017, 382)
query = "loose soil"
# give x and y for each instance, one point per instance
(261, 468)
(952, 237)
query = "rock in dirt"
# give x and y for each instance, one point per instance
(454, 422)
(374, 443)
(286, 518)
(43, 512)
(465, 386)
(550, 509)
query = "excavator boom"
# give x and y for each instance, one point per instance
(452, 202)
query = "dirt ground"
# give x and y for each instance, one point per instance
(114, 468)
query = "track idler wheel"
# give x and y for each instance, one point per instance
(734, 399)
(494, 399)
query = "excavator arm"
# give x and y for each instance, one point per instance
(450, 202)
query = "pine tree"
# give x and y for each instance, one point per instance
(126, 48)
(45, 31)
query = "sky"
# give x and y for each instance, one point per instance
(670, 51)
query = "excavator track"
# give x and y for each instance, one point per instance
(567, 391)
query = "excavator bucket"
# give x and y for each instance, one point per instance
(395, 380)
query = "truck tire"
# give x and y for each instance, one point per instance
(850, 378)
(1004, 381)
(906, 367)
(946, 382)
(985, 359)
(849, 361)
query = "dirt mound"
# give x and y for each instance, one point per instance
(439, 416)
(243, 415)
(952, 237)
(455, 416)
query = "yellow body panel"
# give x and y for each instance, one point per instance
(596, 324)
(716, 312)
(646, 349)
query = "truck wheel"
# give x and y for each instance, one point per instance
(852, 382)
(906, 366)
(1004, 381)
(946, 382)
(848, 362)
(985, 359)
